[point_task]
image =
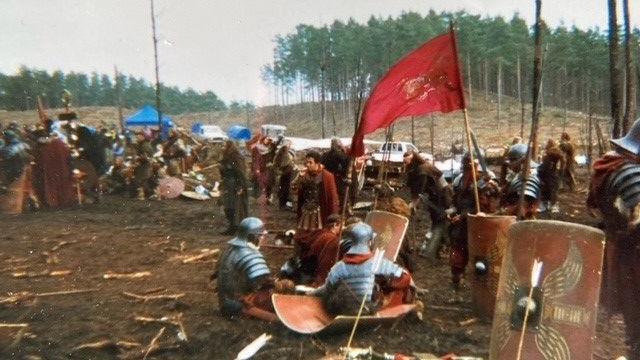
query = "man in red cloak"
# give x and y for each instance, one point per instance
(317, 195)
(52, 173)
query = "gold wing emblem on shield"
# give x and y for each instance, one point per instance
(565, 278)
(549, 341)
(552, 344)
(502, 321)
(383, 239)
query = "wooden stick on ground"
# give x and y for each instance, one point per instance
(111, 275)
(175, 320)
(107, 344)
(153, 344)
(25, 295)
(13, 326)
(146, 298)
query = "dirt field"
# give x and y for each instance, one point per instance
(122, 235)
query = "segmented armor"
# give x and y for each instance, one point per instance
(625, 185)
(360, 278)
(241, 270)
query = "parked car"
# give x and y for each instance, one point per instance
(273, 131)
(209, 133)
(393, 154)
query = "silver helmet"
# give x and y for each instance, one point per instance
(631, 141)
(516, 153)
(250, 229)
(360, 235)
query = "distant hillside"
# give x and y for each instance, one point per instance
(304, 121)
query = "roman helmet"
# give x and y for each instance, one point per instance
(631, 141)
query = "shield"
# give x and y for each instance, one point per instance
(487, 236)
(307, 315)
(170, 187)
(562, 309)
(390, 229)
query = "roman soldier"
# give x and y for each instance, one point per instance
(52, 174)
(317, 195)
(510, 202)
(336, 162)
(553, 162)
(464, 204)
(234, 184)
(567, 172)
(284, 165)
(244, 281)
(13, 159)
(615, 192)
(356, 277)
(173, 152)
(428, 186)
(143, 180)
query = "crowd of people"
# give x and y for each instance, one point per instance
(56, 164)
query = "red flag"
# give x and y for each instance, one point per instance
(425, 81)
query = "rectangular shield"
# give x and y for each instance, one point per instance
(561, 315)
(390, 229)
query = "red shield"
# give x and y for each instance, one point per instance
(307, 315)
(561, 323)
(487, 243)
(390, 229)
(170, 187)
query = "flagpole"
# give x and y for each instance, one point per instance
(467, 127)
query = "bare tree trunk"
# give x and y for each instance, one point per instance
(630, 105)
(614, 70)
(432, 130)
(323, 109)
(118, 98)
(520, 98)
(537, 81)
(413, 131)
(469, 82)
(486, 82)
(499, 86)
(590, 134)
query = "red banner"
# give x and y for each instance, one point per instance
(425, 81)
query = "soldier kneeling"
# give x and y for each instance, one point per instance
(245, 284)
(356, 276)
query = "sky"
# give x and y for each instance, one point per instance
(218, 45)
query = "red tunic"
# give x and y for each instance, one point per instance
(52, 174)
(327, 197)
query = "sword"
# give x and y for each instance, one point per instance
(481, 159)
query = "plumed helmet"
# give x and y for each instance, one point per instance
(516, 153)
(631, 141)
(360, 235)
(250, 228)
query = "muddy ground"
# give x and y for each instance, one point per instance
(123, 235)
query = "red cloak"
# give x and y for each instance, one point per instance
(52, 174)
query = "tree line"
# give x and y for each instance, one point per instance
(20, 91)
(496, 57)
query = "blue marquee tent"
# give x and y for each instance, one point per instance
(238, 132)
(148, 116)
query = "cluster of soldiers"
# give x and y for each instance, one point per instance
(448, 205)
(57, 164)
(332, 255)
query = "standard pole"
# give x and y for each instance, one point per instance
(118, 99)
(467, 130)
(155, 56)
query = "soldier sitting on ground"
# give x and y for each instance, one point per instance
(356, 277)
(245, 284)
